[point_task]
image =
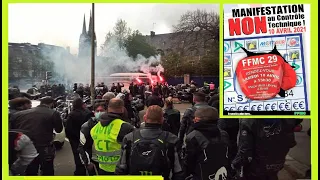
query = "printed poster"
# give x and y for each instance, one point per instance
(266, 59)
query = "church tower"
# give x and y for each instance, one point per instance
(85, 40)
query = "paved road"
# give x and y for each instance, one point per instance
(302, 151)
(64, 165)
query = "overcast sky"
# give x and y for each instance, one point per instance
(61, 24)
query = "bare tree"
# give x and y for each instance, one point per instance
(199, 28)
(198, 33)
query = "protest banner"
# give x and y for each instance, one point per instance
(266, 59)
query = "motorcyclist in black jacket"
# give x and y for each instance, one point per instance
(171, 117)
(39, 123)
(231, 126)
(86, 150)
(263, 146)
(188, 116)
(152, 130)
(154, 99)
(75, 119)
(142, 90)
(127, 98)
(80, 90)
(115, 111)
(119, 87)
(205, 130)
(131, 89)
(113, 88)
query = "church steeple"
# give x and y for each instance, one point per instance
(90, 25)
(84, 29)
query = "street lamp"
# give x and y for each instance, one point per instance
(92, 58)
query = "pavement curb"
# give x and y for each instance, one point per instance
(295, 168)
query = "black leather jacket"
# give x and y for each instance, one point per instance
(38, 123)
(153, 131)
(154, 100)
(264, 144)
(194, 142)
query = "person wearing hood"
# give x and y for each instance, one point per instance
(108, 135)
(206, 146)
(19, 104)
(75, 119)
(86, 151)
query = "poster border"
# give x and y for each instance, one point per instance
(313, 94)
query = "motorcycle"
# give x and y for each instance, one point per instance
(137, 106)
(204, 90)
(185, 95)
(173, 91)
(61, 106)
(34, 93)
(86, 100)
(137, 103)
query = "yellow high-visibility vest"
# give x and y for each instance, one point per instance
(106, 145)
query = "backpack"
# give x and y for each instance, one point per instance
(148, 156)
(213, 161)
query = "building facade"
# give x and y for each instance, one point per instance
(188, 46)
(30, 62)
(177, 42)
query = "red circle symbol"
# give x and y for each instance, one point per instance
(260, 76)
(226, 60)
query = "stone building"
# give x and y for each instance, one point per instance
(179, 43)
(29, 61)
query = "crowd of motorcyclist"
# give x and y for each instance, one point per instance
(104, 140)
